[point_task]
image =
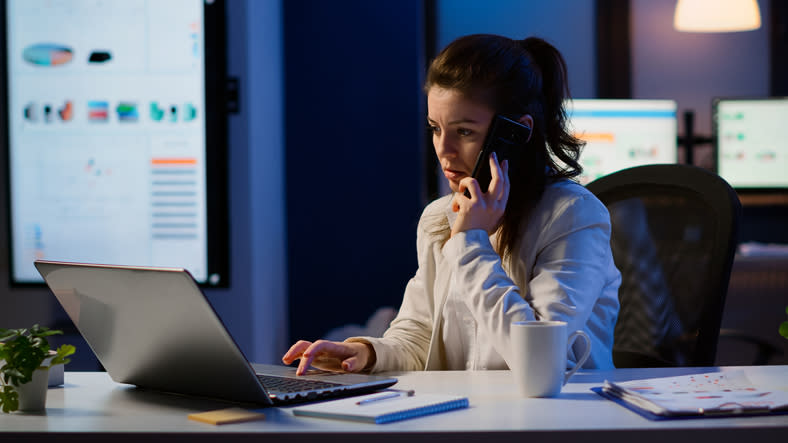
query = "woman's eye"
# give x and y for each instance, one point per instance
(433, 129)
(464, 132)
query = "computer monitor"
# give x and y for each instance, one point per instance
(114, 124)
(751, 150)
(622, 133)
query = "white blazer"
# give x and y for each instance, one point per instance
(458, 307)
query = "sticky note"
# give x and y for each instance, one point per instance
(225, 416)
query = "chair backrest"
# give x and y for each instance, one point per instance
(674, 232)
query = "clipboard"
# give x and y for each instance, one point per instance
(709, 395)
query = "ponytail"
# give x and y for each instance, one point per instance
(555, 91)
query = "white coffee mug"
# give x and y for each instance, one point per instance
(539, 351)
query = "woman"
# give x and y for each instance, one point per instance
(536, 245)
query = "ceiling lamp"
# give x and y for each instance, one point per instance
(716, 15)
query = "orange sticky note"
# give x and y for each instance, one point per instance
(225, 416)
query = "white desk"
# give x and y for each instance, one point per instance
(90, 407)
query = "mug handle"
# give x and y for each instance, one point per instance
(582, 359)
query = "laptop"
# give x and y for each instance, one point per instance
(154, 328)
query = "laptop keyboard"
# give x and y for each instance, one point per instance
(286, 384)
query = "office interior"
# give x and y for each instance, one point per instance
(329, 166)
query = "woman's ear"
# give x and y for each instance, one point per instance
(527, 120)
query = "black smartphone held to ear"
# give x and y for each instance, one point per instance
(504, 135)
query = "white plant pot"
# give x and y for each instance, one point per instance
(33, 395)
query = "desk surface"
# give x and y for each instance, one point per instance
(91, 407)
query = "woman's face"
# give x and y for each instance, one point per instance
(458, 127)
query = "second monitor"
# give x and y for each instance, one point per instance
(622, 133)
(751, 153)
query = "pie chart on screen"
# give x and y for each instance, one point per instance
(47, 54)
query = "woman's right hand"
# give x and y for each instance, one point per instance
(330, 356)
(483, 210)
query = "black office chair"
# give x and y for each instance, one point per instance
(674, 230)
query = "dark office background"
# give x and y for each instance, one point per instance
(329, 164)
(353, 162)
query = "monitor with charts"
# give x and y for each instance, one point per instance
(750, 149)
(113, 117)
(622, 133)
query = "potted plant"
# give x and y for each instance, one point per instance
(25, 360)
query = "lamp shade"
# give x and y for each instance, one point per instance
(716, 15)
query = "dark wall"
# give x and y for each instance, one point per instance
(353, 154)
(765, 224)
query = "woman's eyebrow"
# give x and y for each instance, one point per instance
(457, 122)
(463, 120)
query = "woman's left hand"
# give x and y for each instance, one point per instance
(482, 210)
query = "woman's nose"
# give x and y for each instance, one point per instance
(443, 147)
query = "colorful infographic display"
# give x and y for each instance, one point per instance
(107, 133)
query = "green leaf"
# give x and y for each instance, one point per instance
(9, 399)
(784, 329)
(62, 352)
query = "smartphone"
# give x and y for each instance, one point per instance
(503, 136)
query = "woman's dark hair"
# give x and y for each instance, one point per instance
(514, 78)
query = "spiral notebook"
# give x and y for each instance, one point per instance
(383, 407)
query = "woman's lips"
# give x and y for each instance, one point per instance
(454, 175)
